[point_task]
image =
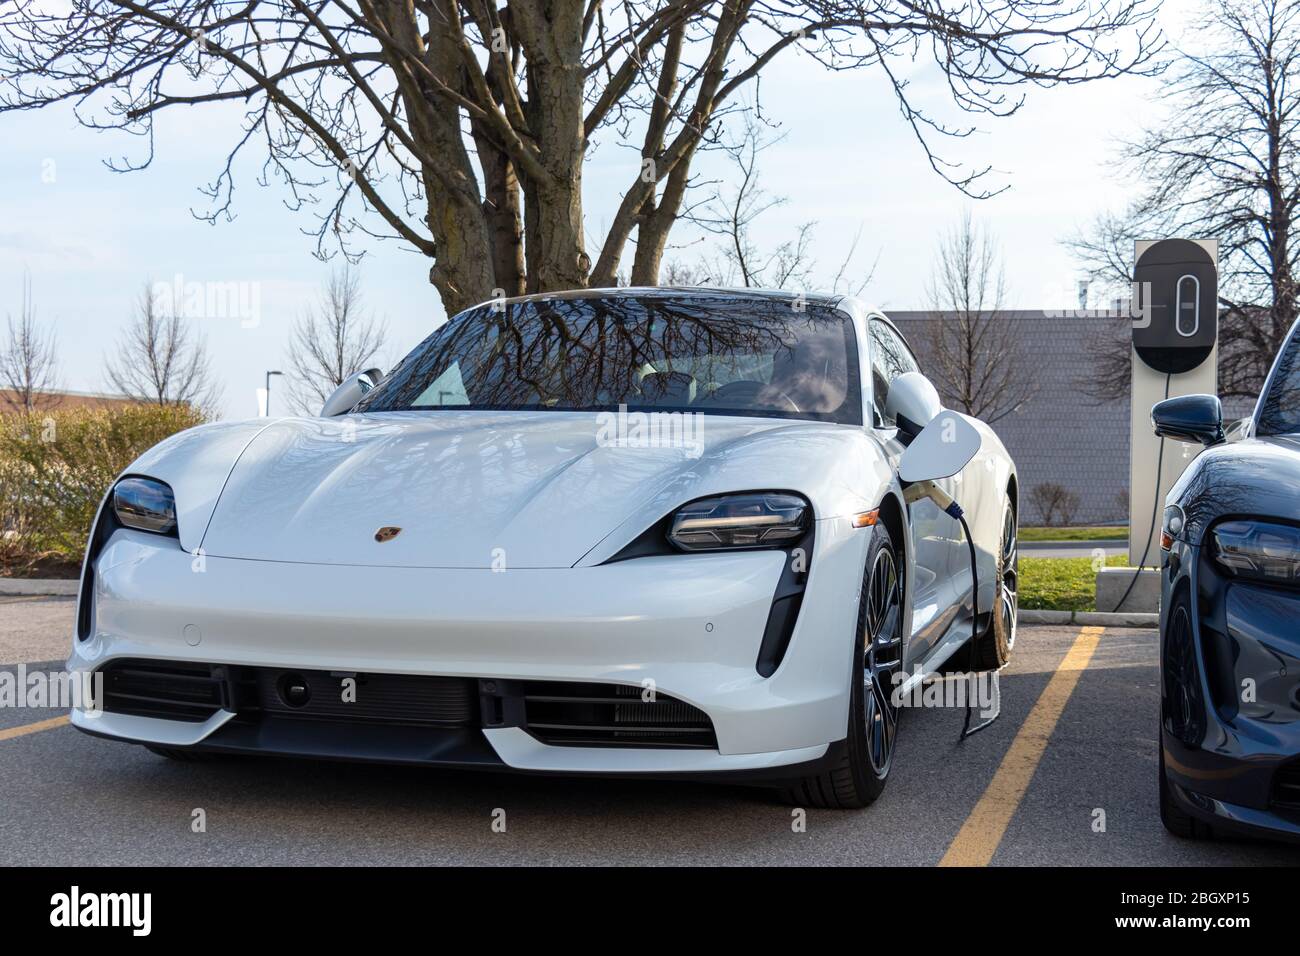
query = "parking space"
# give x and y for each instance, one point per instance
(1075, 737)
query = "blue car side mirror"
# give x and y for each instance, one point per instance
(1189, 418)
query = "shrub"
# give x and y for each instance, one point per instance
(1053, 500)
(1067, 506)
(56, 466)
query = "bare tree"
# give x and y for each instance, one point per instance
(331, 342)
(461, 127)
(161, 360)
(29, 361)
(976, 356)
(732, 214)
(678, 272)
(1225, 166)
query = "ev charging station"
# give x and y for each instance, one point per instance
(1175, 312)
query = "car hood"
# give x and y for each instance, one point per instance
(486, 489)
(1253, 477)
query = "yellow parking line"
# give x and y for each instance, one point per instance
(12, 732)
(980, 835)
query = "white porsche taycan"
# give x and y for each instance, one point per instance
(639, 531)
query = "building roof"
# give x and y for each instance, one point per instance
(61, 400)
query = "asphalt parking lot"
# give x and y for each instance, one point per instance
(1076, 736)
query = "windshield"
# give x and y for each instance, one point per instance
(720, 354)
(1279, 413)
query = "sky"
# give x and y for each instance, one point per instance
(91, 239)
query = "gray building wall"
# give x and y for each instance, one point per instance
(1061, 434)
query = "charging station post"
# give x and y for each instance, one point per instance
(1174, 352)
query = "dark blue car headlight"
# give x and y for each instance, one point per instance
(1261, 550)
(145, 505)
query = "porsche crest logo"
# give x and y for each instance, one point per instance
(387, 533)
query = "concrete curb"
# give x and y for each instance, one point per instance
(48, 587)
(1093, 618)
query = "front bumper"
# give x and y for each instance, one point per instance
(688, 626)
(1238, 820)
(1233, 756)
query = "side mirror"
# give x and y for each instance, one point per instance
(942, 448)
(1190, 418)
(912, 403)
(346, 396)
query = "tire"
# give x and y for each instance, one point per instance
(1182, 712)
(175, 753)
(1177, 820)
(860, 775)
(993, 649)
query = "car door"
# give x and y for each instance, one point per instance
(935, 536)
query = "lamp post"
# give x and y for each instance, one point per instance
(268, 391)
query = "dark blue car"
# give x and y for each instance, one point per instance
(1230, 616)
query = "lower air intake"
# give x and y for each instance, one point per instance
(1286, 787)
(612, 715)
(367, 698)
(172, 691)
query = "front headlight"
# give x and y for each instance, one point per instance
(1171, 526)
(1259, 549)
(145, 504)
(756, 520)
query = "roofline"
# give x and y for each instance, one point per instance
(1052, 313)
(69, 393)
(663, 291)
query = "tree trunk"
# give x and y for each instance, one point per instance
(463, 267)
(504, 216)
(554, 245)
(1283, 309)
(657, 224)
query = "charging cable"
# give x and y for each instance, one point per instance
(949, 506)
(1155, 510)
(966, 729)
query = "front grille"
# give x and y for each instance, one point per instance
(1286, 787)
(560, 713)
(194, 692)
(612, 715)
(385, 698)
(173, 691)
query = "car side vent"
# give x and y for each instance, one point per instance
(576, 714)
(105, 525)
(86, 602)
(784, 613)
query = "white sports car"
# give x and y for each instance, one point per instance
(638, 531)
